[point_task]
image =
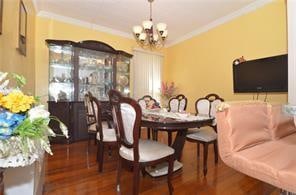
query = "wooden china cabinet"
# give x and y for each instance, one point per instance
(76, 68)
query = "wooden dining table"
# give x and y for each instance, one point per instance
(178, 122)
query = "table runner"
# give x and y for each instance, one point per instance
(175, 115)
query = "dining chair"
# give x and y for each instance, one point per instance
(134, 151)
(104, 133)
(176, 104)
(148, 102)
(90, 118)
(206, 135)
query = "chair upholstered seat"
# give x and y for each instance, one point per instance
(149, 150)
(94, 129)
(109, 135)
(203, 134)
(192, 130)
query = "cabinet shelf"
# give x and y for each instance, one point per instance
(123, 73)
(98, 85)
(61, 83)
(62, 66)
(95, 68)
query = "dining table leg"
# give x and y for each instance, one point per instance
(1, 181)
(179, 143)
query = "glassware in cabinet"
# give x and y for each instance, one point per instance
(61, 73)
(95, 73)
(92, 66)
(123, 75)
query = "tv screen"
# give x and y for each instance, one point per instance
(261, 75)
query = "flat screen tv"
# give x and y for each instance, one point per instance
(261, 75)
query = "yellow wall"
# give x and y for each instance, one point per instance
(53, 29)
(200, 65)
(10, 58)
(203, 64)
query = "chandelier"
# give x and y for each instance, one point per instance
(145, 34)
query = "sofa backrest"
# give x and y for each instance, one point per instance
(244, 124)
(282, 124)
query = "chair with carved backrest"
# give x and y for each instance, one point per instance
(105, 134)
(206, 135)
(137, 152)
(148, 102)
(176, 104)
(90, 118)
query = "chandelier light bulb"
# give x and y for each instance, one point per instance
(147, 24)
(161, 27)
(164, 34)
(142, 37)
(137, 30)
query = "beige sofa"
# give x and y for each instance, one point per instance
(257, 139)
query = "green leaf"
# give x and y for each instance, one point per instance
(33, 129)
(37, 99)
(20, 80)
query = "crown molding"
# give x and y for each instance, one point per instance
(35, 5)
(82, 23)
(251, 7)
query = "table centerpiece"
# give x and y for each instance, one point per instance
(166, 92)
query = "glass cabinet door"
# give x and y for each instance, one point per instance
(123, 75)
(95, 73)
(61, 73)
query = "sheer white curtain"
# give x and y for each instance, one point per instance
(147, 72)
(291, 51)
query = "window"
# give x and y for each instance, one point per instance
(147, 70)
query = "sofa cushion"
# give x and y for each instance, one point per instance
(248, 124)
(271, 162)
(282, 124)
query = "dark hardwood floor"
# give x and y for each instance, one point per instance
(73, 170)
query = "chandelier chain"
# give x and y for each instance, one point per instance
(150, 10)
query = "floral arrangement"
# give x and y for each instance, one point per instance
(23, 121)
(167, 90)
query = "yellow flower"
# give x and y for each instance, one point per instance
(16, 101)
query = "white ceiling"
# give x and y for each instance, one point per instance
(182, 16)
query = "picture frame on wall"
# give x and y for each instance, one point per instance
(1, 15)
(22, 43)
